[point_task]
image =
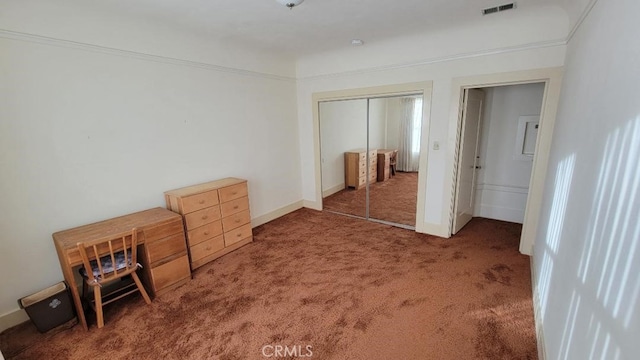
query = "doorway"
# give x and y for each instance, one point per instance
(498, 135)
(552, 78)
(370, 157)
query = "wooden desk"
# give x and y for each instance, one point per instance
(384, 163)
(162, 250)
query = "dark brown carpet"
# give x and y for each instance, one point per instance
(349, 288)
(392, 200)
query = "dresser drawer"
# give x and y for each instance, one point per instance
(236, 220)
(166, 247)
(162, 231)
(233, 192)
(362, 157)
(199, 201)
(206, 248)
(373, 177)
(170, 273)
(204, 232)
(361, 181)
(234, 206)
(237, 235)
(362, 172)
(201, 217)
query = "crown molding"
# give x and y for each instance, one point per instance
(583, 16)
(468, 55)
(45, 40)
(20, 36)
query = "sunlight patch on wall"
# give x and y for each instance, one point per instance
(607, 283)
(614, 234)
(561, 191)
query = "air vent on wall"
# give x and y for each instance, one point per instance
(496, 9)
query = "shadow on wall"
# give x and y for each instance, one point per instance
(591, 273)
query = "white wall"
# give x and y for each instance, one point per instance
(498, 56)
(587, 252)
(377, 123)
(87, 135)
(503, 180)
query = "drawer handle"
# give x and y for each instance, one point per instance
(204, 217)
(237, 220)
(208, 248)
(235, 207)
(206, 233)
(201, 202)
(238, 235)
(233, 193)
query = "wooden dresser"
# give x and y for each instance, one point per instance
(355, 168)
(384, 163)
(216, 217)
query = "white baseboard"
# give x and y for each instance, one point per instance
(314, 205)
(537, 314)
(433, 229)
(12, 319)
(332, 190)
(501, 213)
(263, 219)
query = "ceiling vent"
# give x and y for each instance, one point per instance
(497, 9)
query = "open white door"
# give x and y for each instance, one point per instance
(467, 158)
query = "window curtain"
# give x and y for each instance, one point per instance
(410, 129)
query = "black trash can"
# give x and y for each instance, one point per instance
(50, 307)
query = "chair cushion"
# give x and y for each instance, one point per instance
(107, 266)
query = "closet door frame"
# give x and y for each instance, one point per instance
(419, 88)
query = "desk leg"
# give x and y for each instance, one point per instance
(71, 281)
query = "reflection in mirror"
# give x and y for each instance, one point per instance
(395, 125)
(343, 133)
(389, 166)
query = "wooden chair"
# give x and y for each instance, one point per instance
(392, 162)
(117, 259)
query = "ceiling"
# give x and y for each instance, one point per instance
(315, 25)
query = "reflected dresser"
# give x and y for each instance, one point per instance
(355, 168)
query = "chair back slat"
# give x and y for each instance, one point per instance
(134, 248)
(96, 254)
(113, 259)
(97, 251)
(124, 245)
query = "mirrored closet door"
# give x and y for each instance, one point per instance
(343, 135)
(370, 151)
